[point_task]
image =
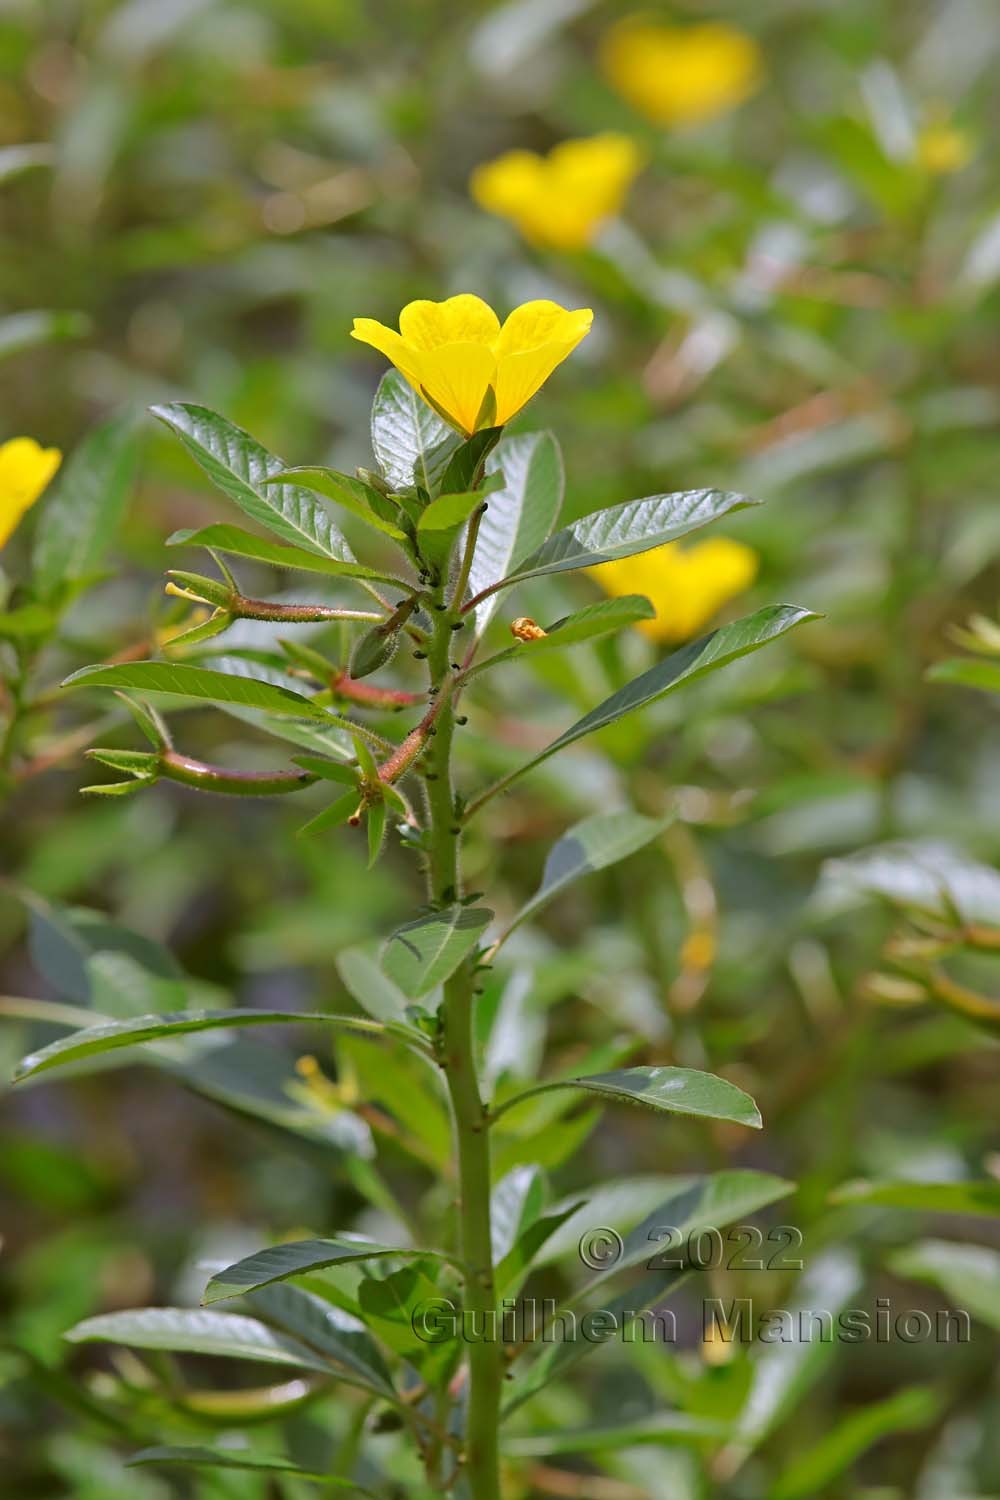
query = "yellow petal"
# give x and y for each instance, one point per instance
(520, 375)
(456, 378)
(686, 585)
(505, 185)
(25, 469)
(681, 75)
(464, 319)
(536, 323)
(388, 342)
(560, 201)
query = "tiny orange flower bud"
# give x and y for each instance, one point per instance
(525, 629)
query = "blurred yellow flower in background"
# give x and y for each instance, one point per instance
(943, 148)
(470, 370)
(25, 469)
(560, 201)
(685, 585)
(680, 75)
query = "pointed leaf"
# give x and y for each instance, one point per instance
(968, 1275)
(520, 515)
(425, 953)
(187, 1457)
(682, 1091)
(332, 1332)
(181, 680)
(240, 543)
(138, 1029)
(623, 530)
(239, 466)
(515, 1203)
(184, 1330)
(448, 512)
(521, 1254)
(593, 844)
(705, 655)
(371, 987)
(411, 443)
(279, 1262)
(925, 1197)
(353, 494)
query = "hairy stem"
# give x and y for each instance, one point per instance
(470, 1116)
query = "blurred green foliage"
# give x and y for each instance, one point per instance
(198, 197)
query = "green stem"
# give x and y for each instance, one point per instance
(470, 1116)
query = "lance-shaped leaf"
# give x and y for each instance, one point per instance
(330, 1330)
(279, 1262)
(818, 1465)
(623, 530)
(521, 1254)
(968, 1275)
(344, 490)
(236, 542)
(186, 1457)
(448, 512)
(411, 443)
(515, 1203)
(588, 624)
(590, 845)
(239, 466)
(679, 1091)
(664, 1429)
(184, 1330)
(154, 1028)
(83, 512)
(180, 680)
(966, 671)
(426, 952)
(705, 655)
(521, 514)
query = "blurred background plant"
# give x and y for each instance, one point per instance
(786, 221)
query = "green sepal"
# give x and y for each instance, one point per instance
(331, 817)
(137, 761)
(117, 788)
(206, 590)
(376, 822)
(215, 625)
(327, 770)
(149, 721)
(467, 461)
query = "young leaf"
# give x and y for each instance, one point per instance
(520, 515)
(184, 1330)
(353, 494)
(239, 543)
(179, 679)
(467, 460)
(622, 530)
(590, 845)
(448, 512)
(696, 660)
(411, 443)
(682, 1091)
(240, 467)
(426, 952)
(187, 1457)
(82, 514)
(392, 1307)
(295, 1258)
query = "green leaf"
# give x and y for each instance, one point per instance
(178, 679)
(830, 1455)
(330, 1330)
(375, 821)
(239, 466)
(139, 1029)
(515, 1203)
(522, 1253)
(29, 620)
(968, 1275)
(449, 512)
(84, 509)
(665, 1429)
(370, 986)
(623, 530)
(279, 1262)
(412, 445)
(520, 515)
(705, 655)
(390, 1306)
(353, 494)
(426, 952)
(327, 770)
(334, 816)
(590, 845)
(186, 1457)
(184, 1330)
(587, 624)
(925, 1197)
(681, 1091)
(239, 543)
(968, 672)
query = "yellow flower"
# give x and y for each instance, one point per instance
(680, 75)
(943, 148)
(559, 201)
(686, 585)
(25, 470)
(469, 369)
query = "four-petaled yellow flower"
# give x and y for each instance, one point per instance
(560, 201)
(25, 470)
(685, 585)
(680, 75)
(470, 370)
